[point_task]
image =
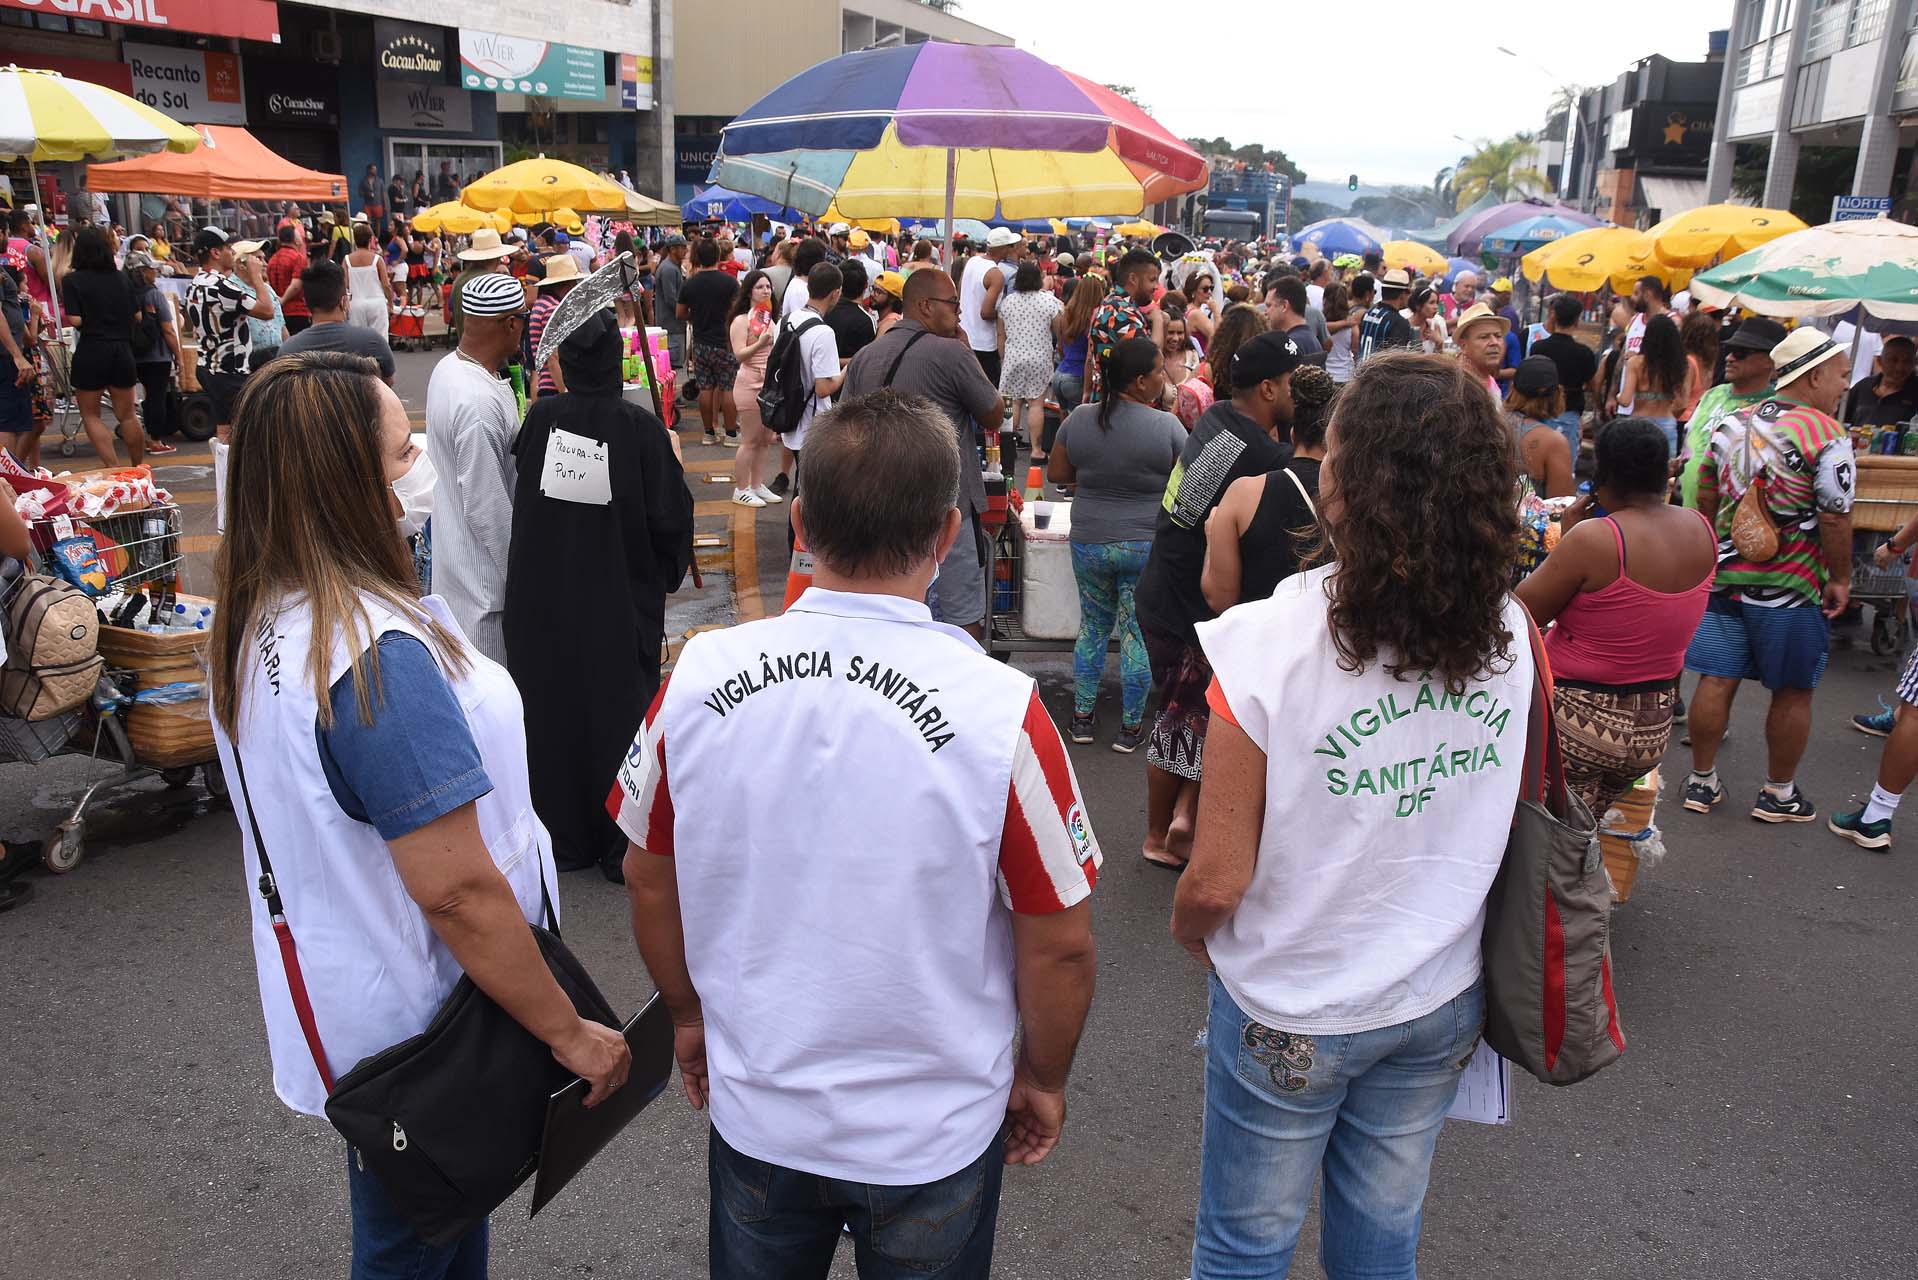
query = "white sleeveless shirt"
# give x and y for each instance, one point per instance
(1387, 807)
(375, 970)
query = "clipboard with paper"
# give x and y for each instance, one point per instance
(1484, 1090)
(574, 1133)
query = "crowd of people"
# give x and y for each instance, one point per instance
(1320, 505)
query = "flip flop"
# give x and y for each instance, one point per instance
(1170, 864)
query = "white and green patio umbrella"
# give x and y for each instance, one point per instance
(1822, 271)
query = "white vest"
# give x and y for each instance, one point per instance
(1387, 807)
(981, 333)
(375, 970)
(842, 919)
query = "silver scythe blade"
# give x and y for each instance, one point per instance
(617, 279)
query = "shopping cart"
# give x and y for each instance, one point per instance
(142, 736)
(1888, 592)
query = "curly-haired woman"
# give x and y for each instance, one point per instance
(1368, 731)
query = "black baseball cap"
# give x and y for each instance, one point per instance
(1269, 355)
(1535, 376)
(1756, 333)
(208, 239)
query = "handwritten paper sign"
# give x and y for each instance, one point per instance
(576, 470)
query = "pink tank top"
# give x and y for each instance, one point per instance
(1626, 633)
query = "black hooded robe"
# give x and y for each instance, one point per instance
(586, 593)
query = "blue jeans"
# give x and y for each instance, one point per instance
(1567, 424)
(767, 1222)
(1365, 1108)
(1670, 427)
(1107, 574)
(385, 1246)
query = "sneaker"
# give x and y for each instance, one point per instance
(732, 440)
(766, 495)
(1878, 724)
(1129, 739)
(709, 438)
(747, 498)
(1769, 808)
(1703, 797)
(781, 483)
(1081, 729)
(1678, 711)
(1866, 835)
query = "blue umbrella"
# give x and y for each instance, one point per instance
(1334, 236)
(935, 228)
(718, 204)
(1527, 233)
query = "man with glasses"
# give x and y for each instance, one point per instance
(1748, 373)
(924, 354)
(472, 417)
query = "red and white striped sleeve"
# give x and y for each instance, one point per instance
(1048, 857)
(640, 801)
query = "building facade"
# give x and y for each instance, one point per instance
(1638, 146)
(339, 85)
(1826, 73)
(726, 59)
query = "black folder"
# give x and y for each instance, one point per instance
(574, 1133)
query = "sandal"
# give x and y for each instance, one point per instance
(1169, 863)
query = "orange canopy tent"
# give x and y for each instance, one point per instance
(229, 164)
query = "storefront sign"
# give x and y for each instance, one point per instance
(635, 82)
(191, 86)
(693, 157)
(409, 51)
(294, 94)
(243, 19)
(430, 108)
(1673, 134)
(1859, 208)
(109, 75)
(510, 64)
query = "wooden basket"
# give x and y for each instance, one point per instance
(1887, 492)
(173, 735)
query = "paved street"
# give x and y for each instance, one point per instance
(1761, 1124)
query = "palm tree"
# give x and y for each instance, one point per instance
(1443, 186)
(1497, 168)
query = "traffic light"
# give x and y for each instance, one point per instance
(1352, 183)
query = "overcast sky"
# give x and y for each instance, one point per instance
(1229, 67)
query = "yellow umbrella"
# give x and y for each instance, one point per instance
(543, 186)
(460, 219)
(1139, 228)
(883, 226)
(1715, 231)
(1598, 256)
(565, 219)
(1414, 256)
(46, 116)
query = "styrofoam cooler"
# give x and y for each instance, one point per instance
(1049, 595)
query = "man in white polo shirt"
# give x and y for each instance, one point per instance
(847, 955)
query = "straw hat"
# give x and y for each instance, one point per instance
(561, 268)
(1477, 313)
(485, 246)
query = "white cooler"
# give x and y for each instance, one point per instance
(1049, 595)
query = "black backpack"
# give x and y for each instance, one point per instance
(145, 336)
(788, 387)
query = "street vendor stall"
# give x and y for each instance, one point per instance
(229, 164)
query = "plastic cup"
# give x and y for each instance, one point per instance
(1041, 517)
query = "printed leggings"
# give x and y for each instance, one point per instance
(1107, 573)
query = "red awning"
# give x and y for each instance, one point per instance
(229, 164)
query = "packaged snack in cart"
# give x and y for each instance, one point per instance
(104, 493)
(76, 559)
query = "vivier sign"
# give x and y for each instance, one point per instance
(430, 108)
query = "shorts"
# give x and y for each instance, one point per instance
(1908, 682)
(1781, 648)
(716, 368)
(16, 406)
(99, 365)
(959, 591)
(1176, 743)
(223, 389)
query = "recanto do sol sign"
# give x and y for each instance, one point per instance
(186, 84)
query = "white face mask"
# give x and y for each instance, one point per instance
(415, 492)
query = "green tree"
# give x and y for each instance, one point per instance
(1499, 168)
(1130, 94)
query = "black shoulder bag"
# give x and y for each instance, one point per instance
(449, 1120)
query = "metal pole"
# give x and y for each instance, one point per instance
(952, 192)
